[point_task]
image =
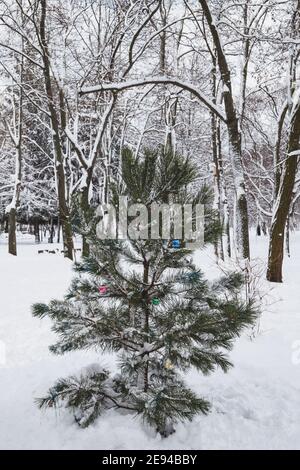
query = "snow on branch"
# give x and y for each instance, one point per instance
(121, 86)
(77, 148)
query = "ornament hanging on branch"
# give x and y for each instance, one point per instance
(159, 330)
(176, 244)
(103, 290)
(169, 365)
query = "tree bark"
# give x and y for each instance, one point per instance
(37, 231)
(64, 212)
(277, 168)
(283, 203)
(241, 205)
(12, 239)
(287, 238)
(85, 206)
(284, 198)
(219, 250)
(51, 231)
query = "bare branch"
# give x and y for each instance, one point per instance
(121, 86)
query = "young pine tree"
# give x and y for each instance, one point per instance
(146, 301)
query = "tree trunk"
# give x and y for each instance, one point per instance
(51, 231)
(241, 220)
(283, 202)
(85, 207)
(58, 230)
(277, 166)
(284, 198)
(143, 379)
(12, 239)
(217, 161)
(17, 140)
(258, 230)
(287, 238)
(37, 231)
(64, 212)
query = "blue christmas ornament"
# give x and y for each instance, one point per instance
(176, 244)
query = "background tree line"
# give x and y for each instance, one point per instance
(217, 81)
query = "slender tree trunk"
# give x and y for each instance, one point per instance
(12, 239)
(17, 139)
(51, 231)
(224, 197)
(170, 109)
(58, 230)
(277, 166)
(143, 380)
(64, 212)
(37, 231)
(258, 229)
(241, 206)
(216, 153)
(227, 229)
(85, 207)
(287, 238)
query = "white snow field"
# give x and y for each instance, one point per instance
(255, 406)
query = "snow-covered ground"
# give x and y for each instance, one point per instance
(255, 406)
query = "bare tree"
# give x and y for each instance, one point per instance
(285, 192)
(14, 128)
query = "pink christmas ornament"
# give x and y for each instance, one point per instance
(103, 290)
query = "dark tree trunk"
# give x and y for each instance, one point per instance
(64, 212)
(58, 230)
(85, 207)
(228, 236)
(37, 231)
(51, 231)
(287, 238)
(277, 166)
(258, 230)
(285, 192)
(283, 203)
(12, 239)
(146, 325)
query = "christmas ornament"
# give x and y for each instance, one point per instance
(176, 244)
(169, 365)
(155, 301)
(103, 290)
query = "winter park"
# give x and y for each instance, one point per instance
(150, 225)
